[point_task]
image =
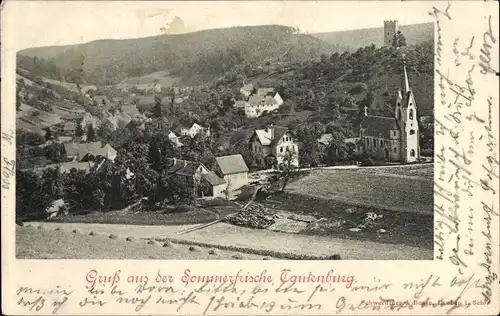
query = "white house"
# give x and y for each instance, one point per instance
(194, 130)
(234, 170)
(259, 103)
(271, 145)
(174, 139)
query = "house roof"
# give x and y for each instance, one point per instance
(212, 178)
(232, 164)
(279, 131)
(99, 98)
(325, 139)
(353, 140)
(256, 100)
(265, 138)
(379, 126)
(182, 167)
(247, 87)
(72, 149)
(266, 92)
(130, 109)
(64, 139)
(70, 125)
(239, 104)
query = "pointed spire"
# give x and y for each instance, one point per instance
(406, 81)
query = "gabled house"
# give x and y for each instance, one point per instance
(194, 130)
(215, 186)
(174, 139)
(69, 128)
(189, 171)
(88, 120)
(270, 92)
(271, 145)
(132, 111)
(101, 100)
(258, 104)
(234, 170)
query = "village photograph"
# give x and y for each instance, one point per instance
(205, 131)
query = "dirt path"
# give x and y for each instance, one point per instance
(228, 235)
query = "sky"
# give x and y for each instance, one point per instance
(71, 22)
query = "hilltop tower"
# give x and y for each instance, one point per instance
(390, 29)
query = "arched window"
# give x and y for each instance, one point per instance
(395, 149)
(412, 132)
(412, 153)
(381, 143)
(411, 114)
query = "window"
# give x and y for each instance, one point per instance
(411, 114)
(287, 148)
(281, 149)
(395, 150)
(412, 153)
(381, 143)
(412, 132)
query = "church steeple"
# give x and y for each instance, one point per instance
(405, 83)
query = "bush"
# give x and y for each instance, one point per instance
(367, 162)
(358, 88)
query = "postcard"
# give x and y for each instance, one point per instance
(250, 157)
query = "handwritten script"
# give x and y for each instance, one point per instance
(466, 180)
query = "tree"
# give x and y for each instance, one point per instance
(398, 40)
(288, 169)
(79, 130)
(157, 107)
(32, 198)
(91, 135)
(18, 98)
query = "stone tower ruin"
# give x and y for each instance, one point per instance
(390, 29)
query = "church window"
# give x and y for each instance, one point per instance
(412, 153)
(412, 132)
(411, 114)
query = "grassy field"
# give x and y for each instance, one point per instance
(33, 243)
(406, 228)
(363, 187)
(209, 212)
(419, 171)
(140, 218)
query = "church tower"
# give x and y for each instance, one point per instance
(406, 115)
(390, 29)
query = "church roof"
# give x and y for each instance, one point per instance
(379, 126)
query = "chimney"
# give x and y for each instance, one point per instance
(366, 111)
(270, 131)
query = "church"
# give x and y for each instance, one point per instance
(395, 138)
